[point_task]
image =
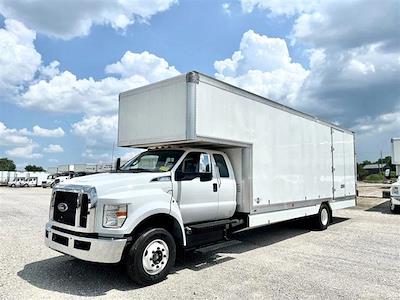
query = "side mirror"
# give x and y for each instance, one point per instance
(205, 176)
(118, 164)
(178, 175)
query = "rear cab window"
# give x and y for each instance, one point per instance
(221, 164)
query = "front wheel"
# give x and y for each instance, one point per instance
(151, 257)
(323, 217)
(394, 209)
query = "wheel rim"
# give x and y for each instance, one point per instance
(392, 206)
(155, 257)
(324, 216)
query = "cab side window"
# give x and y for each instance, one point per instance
(223, 168)
(195, 164)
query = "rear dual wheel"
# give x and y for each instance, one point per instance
(151, 256)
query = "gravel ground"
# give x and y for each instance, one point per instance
(357, 257)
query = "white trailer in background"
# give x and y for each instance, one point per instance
(219, 159)
(396, 154)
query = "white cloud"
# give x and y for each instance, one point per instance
(68, 19)
(98, 156)
(53, 160)
(43, 132)
(24, 152)
(12, 137)
(279, 7)
(263, 65)
(349, 24)
(20, 145)
(19, 59)
(129, 155)
(144, 64)
(226, 8)
(66, 93)
(53, 148)
(95, 127)
(389, 122)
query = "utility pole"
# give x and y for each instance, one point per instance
(112, 156)
(380, 163)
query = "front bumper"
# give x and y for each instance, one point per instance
(102, 249)
(395, 200)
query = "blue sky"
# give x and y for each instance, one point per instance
(64, 63)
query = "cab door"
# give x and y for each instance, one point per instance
(226, 186)
(196, 189)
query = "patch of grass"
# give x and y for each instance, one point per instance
(374, 178)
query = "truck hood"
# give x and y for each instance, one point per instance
(108, 183)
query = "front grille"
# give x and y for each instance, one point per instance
(65, 205)
(84, 210)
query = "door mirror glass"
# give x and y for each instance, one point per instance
(195, 165)
(204, 166)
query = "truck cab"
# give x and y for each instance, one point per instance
(174, 187)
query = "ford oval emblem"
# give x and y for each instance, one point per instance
(62, 207)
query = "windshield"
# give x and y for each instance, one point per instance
(153, 161)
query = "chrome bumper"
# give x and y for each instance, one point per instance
(395, 200)
(102, 250)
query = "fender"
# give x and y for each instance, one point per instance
(141, 205)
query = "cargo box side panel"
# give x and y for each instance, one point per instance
(153, 114)
(292, 159)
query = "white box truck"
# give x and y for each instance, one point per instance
(395, 188)
(218, 160)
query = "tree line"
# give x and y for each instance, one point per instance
(9, 165)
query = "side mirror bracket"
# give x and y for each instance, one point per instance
(118, 164)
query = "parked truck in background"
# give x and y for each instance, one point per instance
(218, 160)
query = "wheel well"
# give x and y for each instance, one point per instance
(160, 221)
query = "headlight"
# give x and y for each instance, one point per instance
(114, 215)
(395, 190)
(51, 210)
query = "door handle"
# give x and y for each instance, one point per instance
(215, 187)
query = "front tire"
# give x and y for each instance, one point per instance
(394, 209)
(322, 219)
(151, 257)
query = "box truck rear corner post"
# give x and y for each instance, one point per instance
(217, 160)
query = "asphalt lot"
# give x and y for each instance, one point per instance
(357, 257)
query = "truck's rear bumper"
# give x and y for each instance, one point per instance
(102, 250)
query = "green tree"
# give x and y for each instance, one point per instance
(6, 164)
(33, 168)
(366, 162)
(361, 172)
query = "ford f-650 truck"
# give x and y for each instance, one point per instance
(218, 159)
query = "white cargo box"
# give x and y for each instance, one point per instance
(282, 158)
